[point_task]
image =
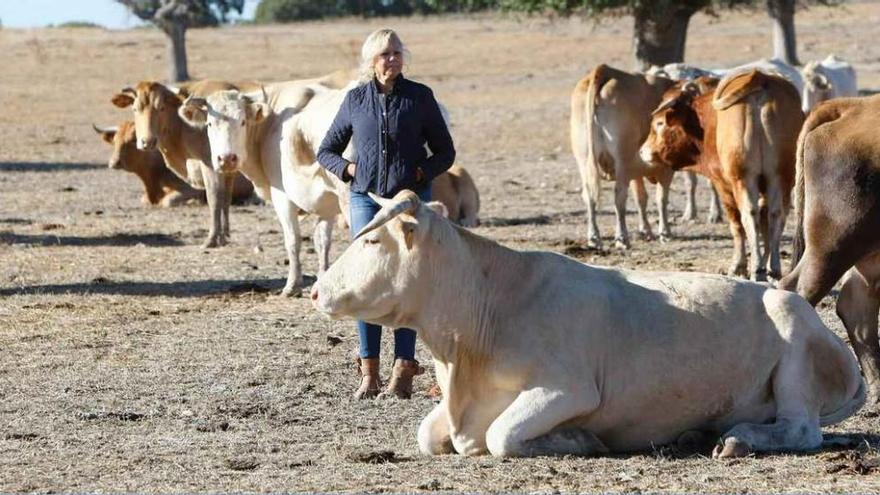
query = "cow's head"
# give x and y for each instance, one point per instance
(226, 115)
(385, 274)
(153, 105)
(676, 136)
(817, 86)
(126, 155)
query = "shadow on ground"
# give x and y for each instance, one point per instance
(199, 288)
(152, 240)
(47, 167)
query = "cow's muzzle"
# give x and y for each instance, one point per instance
(145, 144)
(227, 163)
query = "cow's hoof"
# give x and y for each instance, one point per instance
(759, 276)
(622, 244)
(647, 235)
(687, 218)
(736, 271)
(714, 218)
(594, 243)
(211, 242)
(774, 275)
(730, 448)
(294, 291)
(664, 238)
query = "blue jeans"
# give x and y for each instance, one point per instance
(363, 209)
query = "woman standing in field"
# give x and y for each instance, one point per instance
(391, 119)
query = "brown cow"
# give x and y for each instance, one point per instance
(456, 190)
(161, 185)
(742, 136)
(837, 205)
(610, 115)
(157, 125)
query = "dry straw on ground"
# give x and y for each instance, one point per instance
(132, 360)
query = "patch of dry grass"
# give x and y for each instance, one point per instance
(133, 360)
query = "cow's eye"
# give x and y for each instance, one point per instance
(208, 124)
(242, 123)
(370, 241)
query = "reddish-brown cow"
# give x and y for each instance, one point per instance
(742, 136)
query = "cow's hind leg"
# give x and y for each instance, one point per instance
(775, 223)
(738, 262)
(858, 306)
(323, 237)
(531, 425)
(287, 216)
(785, 434)
(638, 190)
(621, 236)
(796, 424)
(750, 215)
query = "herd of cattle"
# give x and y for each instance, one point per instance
(520, 375)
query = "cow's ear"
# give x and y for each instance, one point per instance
(193, 115)
(438, 208)
(256, 111)
(122, 100)
(408, 228)
(108, 136)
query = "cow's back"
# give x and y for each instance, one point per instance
(758, 119)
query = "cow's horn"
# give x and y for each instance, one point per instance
(387, 213)
(666, 104)
(102, 130)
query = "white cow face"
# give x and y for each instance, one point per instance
(383, 276)
(225, 115)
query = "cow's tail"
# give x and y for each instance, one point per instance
(848, 408)
(734, 88)
(820, 115)
(584, 131)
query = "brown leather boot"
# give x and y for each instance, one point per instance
(368, 368)
(402, 375)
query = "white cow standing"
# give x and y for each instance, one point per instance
(543, 355)
(262, 135)
(827, 79)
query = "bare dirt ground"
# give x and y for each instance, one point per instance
(133, 360)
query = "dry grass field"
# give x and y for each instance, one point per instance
(132, 360)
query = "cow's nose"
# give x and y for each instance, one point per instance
(314, 293)
(148, 143)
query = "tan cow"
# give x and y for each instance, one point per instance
(157, 125)
(537, 354)
(161, 186)
(742, 136)
(837, 203)
(456, 190)
(610, 115)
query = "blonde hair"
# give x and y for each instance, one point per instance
(373, 46)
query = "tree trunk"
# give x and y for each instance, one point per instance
(177, 69)
(784, 40)
(659, 35)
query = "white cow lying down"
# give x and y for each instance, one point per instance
(538, 354)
